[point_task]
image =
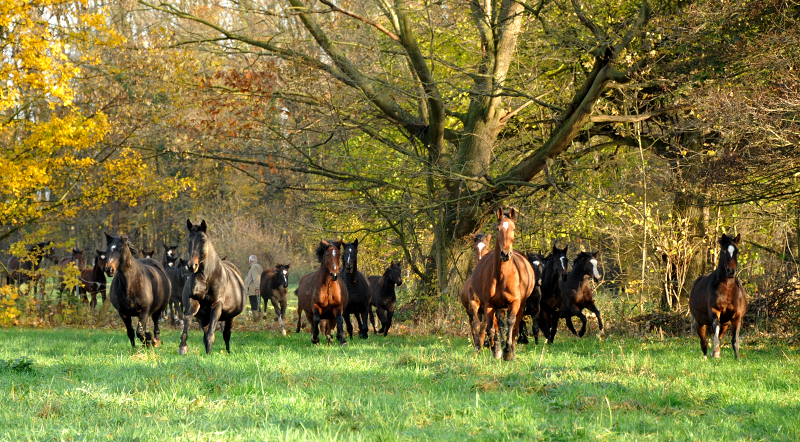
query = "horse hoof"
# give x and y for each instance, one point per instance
(183, 349)
(156, 343)
(498, 354)
(522, 339)
(283, 332)
(602, 333)
(342, 343)
(509, 356)
(477, 349)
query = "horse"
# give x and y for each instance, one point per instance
(555, 271)
(718, 298)
(147, 254)
(532, 304)
(140, 288)
(576, 292)
(170, 255)
(503, 280)
(93, 279)
(322, 295)
(273, 287)
(75, 257)
(178, 273)
(214, 291)
(470, 301)
(384, 297)
(359, 293)
(22, 270)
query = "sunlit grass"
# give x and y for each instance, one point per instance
(89, 384)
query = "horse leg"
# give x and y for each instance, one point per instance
(554, 317)
(510, 352)
(475, 325)
(226, 334)
(129, 328)
(192, 307)
(389, 315)
(567, 315)
(93, 302)
(523, 331)
(340, 327)
(282, 318)
(363, 325)
(384, 320)
(593, 308)
(216, 311)
(701, 332)
(494, 331)
(716, 327)
(156, 329)
(349, 325)
(299, 319)
(315, 325)
(372, 320)
(145, 336)
(737, 325)
(535, 328)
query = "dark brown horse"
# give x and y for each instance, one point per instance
(274, 287)
(576, 292)
(322, 295)
(503, 279)
(718, 298)
(23, 269)
(556, 269)
(384, 296)
(359, 293)
(139, 288)
(470, 301)
(93, 279)
(214, 291)
(170, 256)
(177, 272)
(532, 304)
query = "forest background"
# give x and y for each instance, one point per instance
(644, 130)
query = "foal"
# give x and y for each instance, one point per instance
(503, 280)
(718, 298)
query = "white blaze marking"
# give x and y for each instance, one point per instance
(536, 263)
(594, 268)
(505, 225)
(481, 246)
(563, 266)
(284, 272)
(113, 248)
(102, 256)
(171, 264)
(731, 249)
(169, 253)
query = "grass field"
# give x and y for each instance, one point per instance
(90, 385)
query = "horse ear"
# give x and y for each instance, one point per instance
(489, 238)
(737, 239)
(189, 224)
(472, 236)
(287, 266)
(355, 243)
(513, 214)
(203, 226)
(499, 213)
(565, 249)
(109, 238)
(340, 243)
(123, 238)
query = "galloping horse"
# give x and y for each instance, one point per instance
(470, 301)
(322, 295)
(359, 293)
(576, 292)
(532, 304)
(273, 287)
(93, 280)
(718, 298)
(555, 271)
(23, 270)
(214, 291)
(384, 297)
(503, 279)
(139, 288)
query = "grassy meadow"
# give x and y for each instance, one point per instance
(88, 384)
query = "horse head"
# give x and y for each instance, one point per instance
(537, 262)
(282, 272)
(395, 272)
(328, 256)
(198, 245)
(102, 259)
(558, 263)
(350, 256)
(480, 243)
(119, 251)
(506, 224)
(586, 263)
(147, 253)
(728, 257)
(76, 257)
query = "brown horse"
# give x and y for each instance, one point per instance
(503, 279)
(23, 269)
(93, 280)
(322, 295)
(718, 298)
(273, 287)
(576, 292)
(470, 301)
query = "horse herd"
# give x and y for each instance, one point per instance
(504, 287)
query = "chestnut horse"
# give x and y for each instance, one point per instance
(93, 279)
(384, 297)
(322, 295)
(503, 280)
(718, 298)
(556, 266)
(214, 291)
(470, 301)
(273, 287)
(576, 292)
(139, 288)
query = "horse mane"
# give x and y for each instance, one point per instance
(322, 247)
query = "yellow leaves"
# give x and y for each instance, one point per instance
(8, 305)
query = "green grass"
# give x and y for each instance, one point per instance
(89, 384)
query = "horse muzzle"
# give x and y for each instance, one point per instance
(110, 270)
(399, 282)
(334, 276)
(504, 256)
(285, 285)
(730, 272)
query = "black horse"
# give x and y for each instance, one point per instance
(554, 273)
(576, 292)
(170, 255)
(178, 272)
(93, 280)
(533, 303)
(384, 297)
(214, 291)
(274, 287)
(358, 290)
(139, 288)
